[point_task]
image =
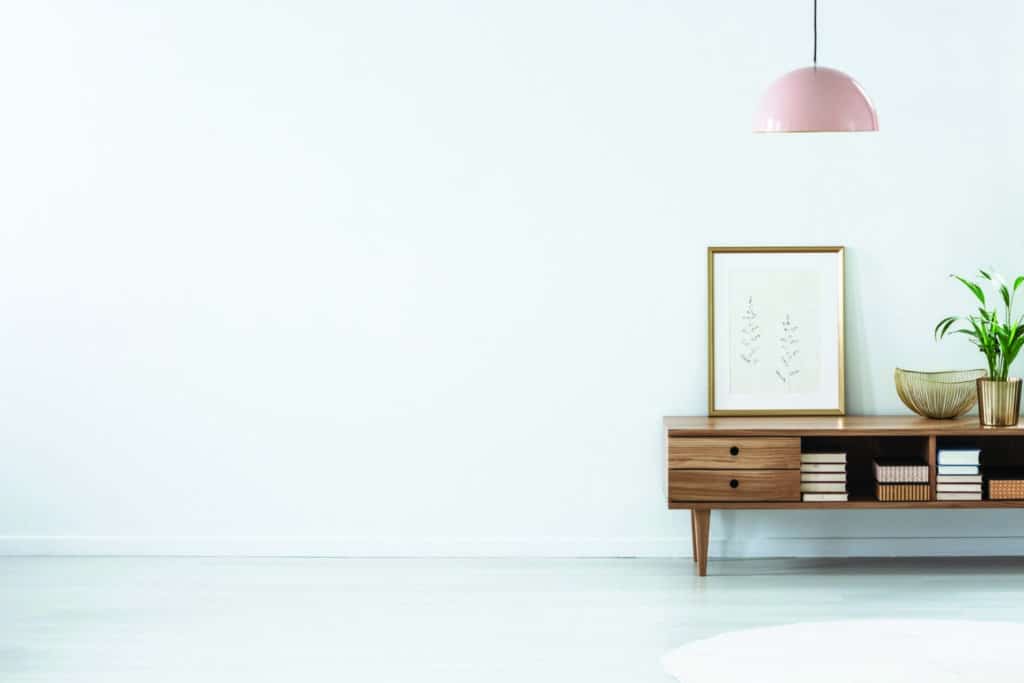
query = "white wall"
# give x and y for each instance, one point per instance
(422, 277)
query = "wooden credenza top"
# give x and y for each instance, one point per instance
(850, 425)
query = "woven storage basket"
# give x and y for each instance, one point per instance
(892, 493)
(1006, 489)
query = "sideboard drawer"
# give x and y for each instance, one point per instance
(773, 452)
(734, 485)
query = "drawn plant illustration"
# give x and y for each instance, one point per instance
(750, 334)
(789, 349)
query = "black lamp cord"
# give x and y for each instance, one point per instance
(815, 33)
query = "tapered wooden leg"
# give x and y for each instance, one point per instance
(702, 526)
(693, 532)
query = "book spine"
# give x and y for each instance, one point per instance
(826, 497)
(822, 467)
(829, 477)
(958, 458)
(819, 487)
(823, 458)
(959, 469)
(958, 479)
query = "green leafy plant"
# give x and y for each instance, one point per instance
(999, 340)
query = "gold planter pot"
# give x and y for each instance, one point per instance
(999, 402)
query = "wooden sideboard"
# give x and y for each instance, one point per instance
(753, 463)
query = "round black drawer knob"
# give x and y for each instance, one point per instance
(734, 450)
(734, 483)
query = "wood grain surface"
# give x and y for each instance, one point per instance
(852, 425)
(734, 485)
(775, 452)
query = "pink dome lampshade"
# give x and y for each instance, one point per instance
(815, 99)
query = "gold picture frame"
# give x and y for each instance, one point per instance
(838, 407)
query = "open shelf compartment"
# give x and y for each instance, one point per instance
(1002, 457)
(861, 452)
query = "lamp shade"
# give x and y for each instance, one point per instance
(815, 99)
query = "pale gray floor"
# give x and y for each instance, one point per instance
(168, 619)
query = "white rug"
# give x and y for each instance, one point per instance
(874, 651)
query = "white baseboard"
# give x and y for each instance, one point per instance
(328, 546)
(946, 546)
(331, 546)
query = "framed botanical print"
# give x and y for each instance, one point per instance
(775, 331)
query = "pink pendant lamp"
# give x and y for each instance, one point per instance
(815, 99)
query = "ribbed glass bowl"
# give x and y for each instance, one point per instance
(940, 395)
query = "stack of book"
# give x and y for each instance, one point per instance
(823, 477)
(959, 475)
(901, 480)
